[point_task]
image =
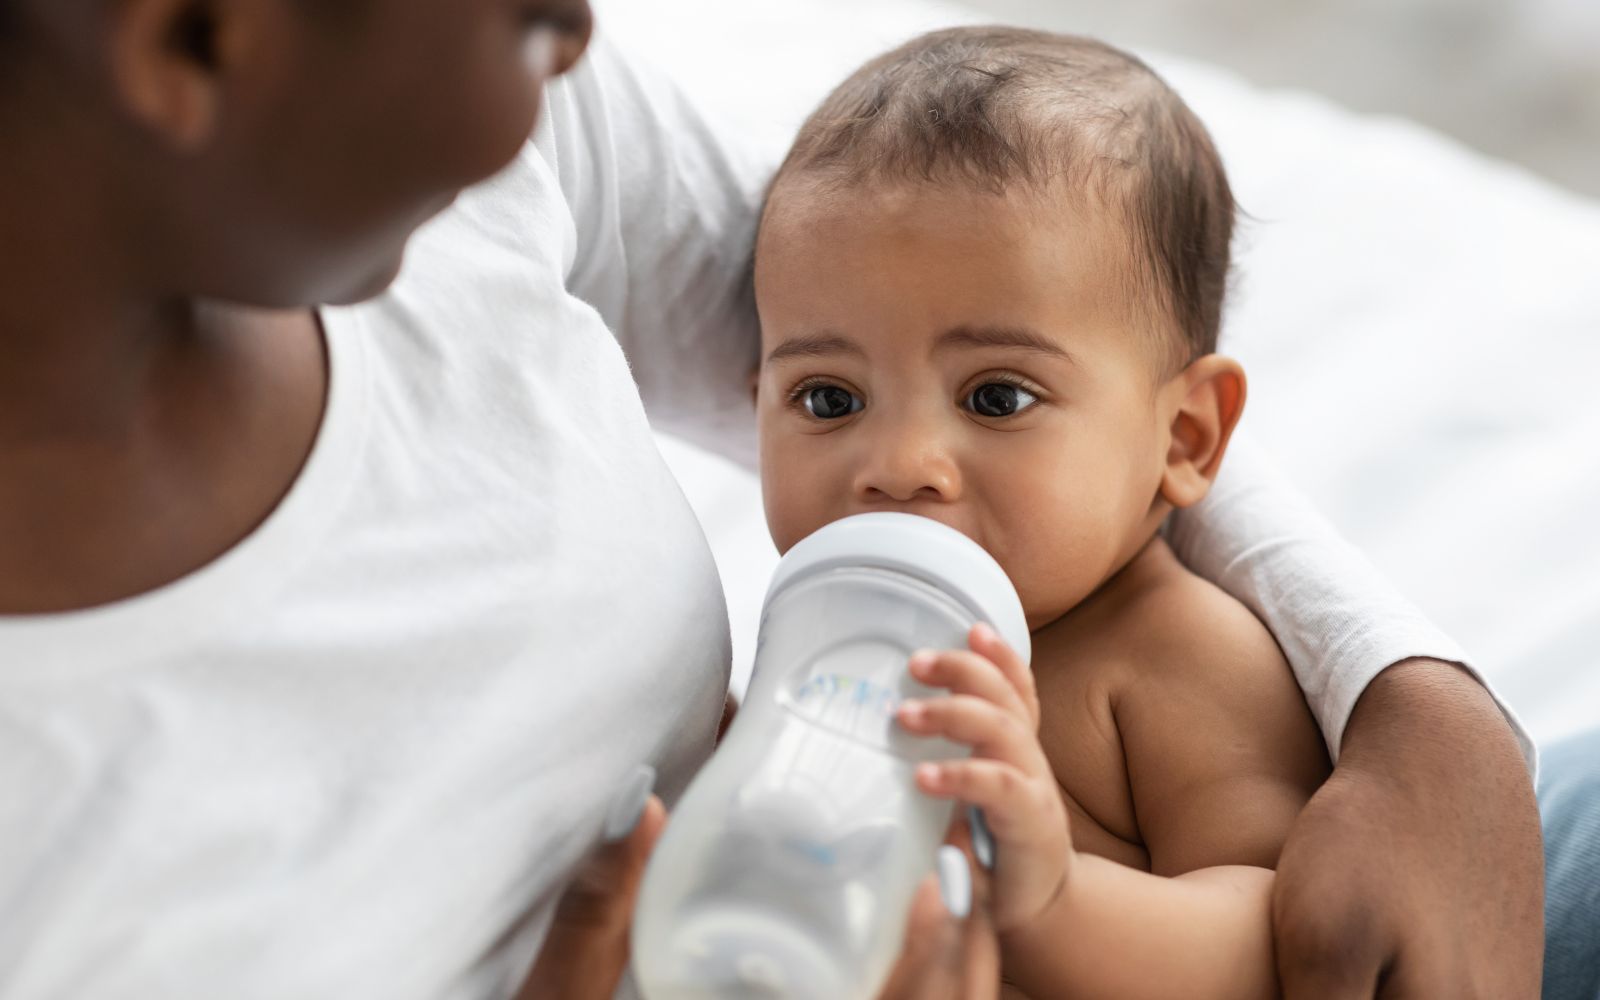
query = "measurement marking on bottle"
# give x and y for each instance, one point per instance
(824, 691)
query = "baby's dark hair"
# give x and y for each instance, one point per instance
(996, 107)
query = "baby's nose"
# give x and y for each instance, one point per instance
(906, 469)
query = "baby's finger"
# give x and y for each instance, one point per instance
(986, 642)
(1006, 796)
(963, 672)
(989, 730)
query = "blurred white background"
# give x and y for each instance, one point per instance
(1517, 79)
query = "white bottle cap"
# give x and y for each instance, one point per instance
(919, 547)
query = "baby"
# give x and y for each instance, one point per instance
(990, 277)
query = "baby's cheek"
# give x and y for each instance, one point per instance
(792, 513)
(1059, 551)
(1049, 588)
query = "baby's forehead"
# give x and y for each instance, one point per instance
(814, 207)
(909, 263)
(1052, 236)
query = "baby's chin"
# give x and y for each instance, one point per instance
(1045, 602)
(1042, 616)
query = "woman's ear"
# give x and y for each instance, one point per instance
(1205, 402)
(164, 61)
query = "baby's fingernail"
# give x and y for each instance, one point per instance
(983, 846)
(921, 660)
(955, 882)
(984, 632)
(913, 711)
(928, 774)
(628, 806)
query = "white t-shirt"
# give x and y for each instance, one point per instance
(356, 753)
(359, 755)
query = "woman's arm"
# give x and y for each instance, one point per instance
(664, 207)
(1418, 868)
(1420, 861)
(1338, 621)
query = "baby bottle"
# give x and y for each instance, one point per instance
(788, 868)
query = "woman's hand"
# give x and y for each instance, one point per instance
(586, 951)
(1417, 870)
(951, 950)
(994, 708)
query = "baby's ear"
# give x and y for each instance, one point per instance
(1204, 403)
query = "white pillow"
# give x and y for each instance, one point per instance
(1421, 327)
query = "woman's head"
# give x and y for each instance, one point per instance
(271, 152)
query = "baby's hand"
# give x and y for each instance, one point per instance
(994, 709)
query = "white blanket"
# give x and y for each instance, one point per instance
(1421, 327)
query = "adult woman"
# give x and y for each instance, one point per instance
(333, 632)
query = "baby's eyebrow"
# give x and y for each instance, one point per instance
(1002, 336)
(814, 347)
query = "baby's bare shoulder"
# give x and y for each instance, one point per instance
(1182, 627)
(1193, 649)
(1221, 749)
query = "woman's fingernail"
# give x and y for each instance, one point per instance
(539, 53)
(628, 806)
(955, 882)
(982, 838)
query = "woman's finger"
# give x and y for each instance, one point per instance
(932, 949)
(605, 885)
(986, 642)
(948, 955)
(960, 671)
(585, 951)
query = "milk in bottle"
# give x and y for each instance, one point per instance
(788, 869)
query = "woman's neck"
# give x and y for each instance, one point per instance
(141, 434)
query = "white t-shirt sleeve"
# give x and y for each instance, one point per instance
(665, 208)
(1339, 622)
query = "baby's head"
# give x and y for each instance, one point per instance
(990, 277)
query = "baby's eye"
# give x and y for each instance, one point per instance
(999, 399)
(830, 402)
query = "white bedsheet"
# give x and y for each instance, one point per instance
(1421, 327)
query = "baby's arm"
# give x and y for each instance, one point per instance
(1120, 932)
(1221, 754)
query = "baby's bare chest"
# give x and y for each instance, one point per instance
(1078, 733)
